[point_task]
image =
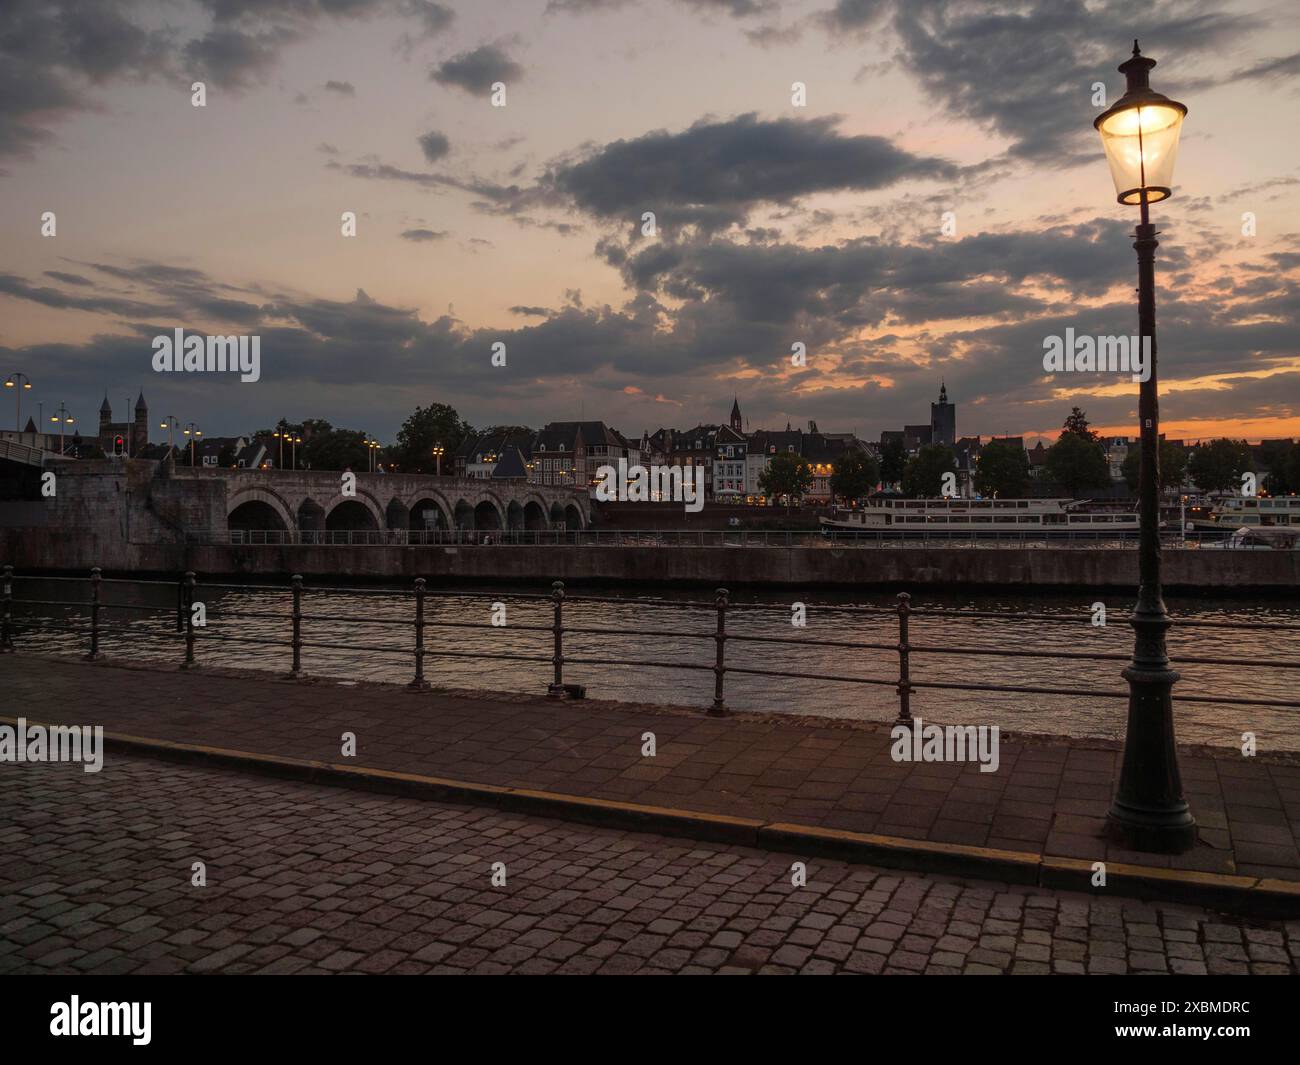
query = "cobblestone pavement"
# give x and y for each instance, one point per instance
(1048, 796)
(95, 874)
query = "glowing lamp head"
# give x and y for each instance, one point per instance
(1140, 134)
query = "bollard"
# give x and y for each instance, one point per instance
(180, 606)
(296, 672)
(190, 582)
(904, 665)
(419, 683)
(6, 622)
(95, 578)
(719, 669)
(555, 689)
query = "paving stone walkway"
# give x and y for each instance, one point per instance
(1048, 796)
(95, 877)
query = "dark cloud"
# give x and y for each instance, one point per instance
(233, 59)
(855, 14)
(712, 174)
(423, 235)
(478, 70)
(435, 145)
(55, 53)
(343, 88)
(1024, 70)
(68, 279)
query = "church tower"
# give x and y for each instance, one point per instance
(140, 431)
(736, 422)
(943, 419)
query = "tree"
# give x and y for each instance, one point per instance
(335, 449)
(923, 478)
(1002, 470)
(1218, 465)
(1077, 463)
(1077, 424)
(1173, 465)
(893, 461)
(856, 474)
(788, 475)
(436, 424)
(1282, 460)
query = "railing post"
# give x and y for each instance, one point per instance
(296, 671)
(6, 622)
(190, 583)
(419, 683)
(555, 689)
(904, 664)
(180, 605)
(95, 578)
(720, 640)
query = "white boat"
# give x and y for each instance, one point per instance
(976, 516)
(1258, 538)
(1241, 511)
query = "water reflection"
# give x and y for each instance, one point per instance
(366, 634)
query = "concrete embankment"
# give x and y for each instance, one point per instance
(1192, 570)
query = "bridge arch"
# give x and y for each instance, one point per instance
(535, 515)
(425, 500)
(253, 504)
(339, 515)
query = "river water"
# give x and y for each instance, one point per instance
(643, 641)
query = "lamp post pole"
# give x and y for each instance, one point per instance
(18, 382)
(1149, 812)
(64, 419)
(193, 432)
(171, 423)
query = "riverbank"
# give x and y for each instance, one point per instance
(1192, 570)
(803, 785)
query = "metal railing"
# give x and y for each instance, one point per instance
(903, 617)
(940, 538)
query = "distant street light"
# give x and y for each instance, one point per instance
(1149, 813)
(171, 422)
(19, 382)
(438, 452)
(64, 419)
(281, 434)
(193, 432)
(293, 451)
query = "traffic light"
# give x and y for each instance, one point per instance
(118, 445)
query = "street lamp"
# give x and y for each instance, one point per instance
(1149, 813)
(293, 451)
(438, 452)
(171, 422)
(64, 418)
(282, 434)
(193, 432)
(18, 382)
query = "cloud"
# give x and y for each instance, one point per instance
(343, 88)
(477, 71)
(1020, 69)
(435, 145)
(423, 235)
(715, 172)
(233, 59)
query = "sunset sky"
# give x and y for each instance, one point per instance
(522, 224)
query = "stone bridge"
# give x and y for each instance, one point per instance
(313, 500)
